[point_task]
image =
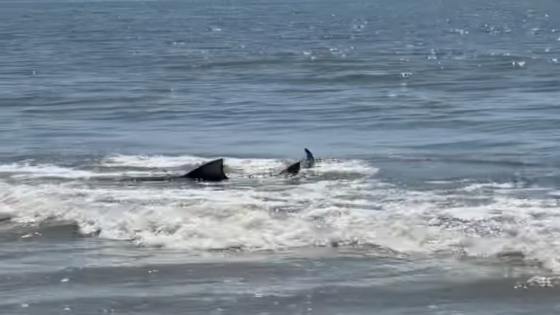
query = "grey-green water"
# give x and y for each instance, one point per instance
(436, 122)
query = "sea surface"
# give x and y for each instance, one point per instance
(435, 124)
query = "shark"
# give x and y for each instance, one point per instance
(213, 171)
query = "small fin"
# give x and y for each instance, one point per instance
(292, 169)
(310, 159)
(211, 171)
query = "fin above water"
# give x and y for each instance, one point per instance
(309, 159)
(292, 169)
(214, 171)
(211, 171)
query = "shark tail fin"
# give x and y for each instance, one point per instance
(211, 171)
(310, 159)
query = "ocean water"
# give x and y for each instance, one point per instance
(436, 125)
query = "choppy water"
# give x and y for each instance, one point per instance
(437, 125)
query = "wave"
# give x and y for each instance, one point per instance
(338, 203)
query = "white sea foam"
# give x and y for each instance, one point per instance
(23, 170)
(276, 215)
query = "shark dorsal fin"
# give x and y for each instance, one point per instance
(211, 171)
(292, 169)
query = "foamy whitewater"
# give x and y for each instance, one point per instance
(338, 203)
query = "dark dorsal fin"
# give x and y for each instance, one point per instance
(310, 158)
(211, 171)
(292, 169)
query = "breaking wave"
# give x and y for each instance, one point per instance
(337, 203)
